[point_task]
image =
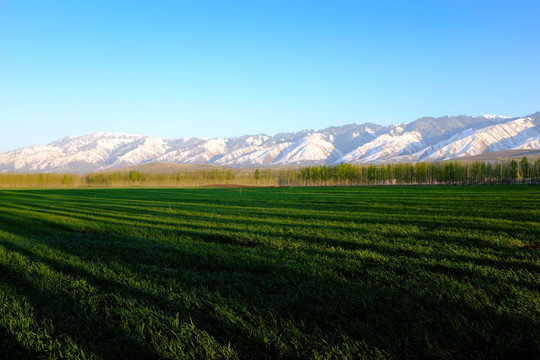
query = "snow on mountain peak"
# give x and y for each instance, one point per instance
(495, 117)
(423, 140)
(369, 130)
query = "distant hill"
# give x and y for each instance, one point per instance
(163, 168)
(426, 139)
(507, 155)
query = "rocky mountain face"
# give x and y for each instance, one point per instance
(426, 139)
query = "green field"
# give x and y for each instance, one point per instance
(375, 272)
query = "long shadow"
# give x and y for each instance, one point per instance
(254, 206)
(184, 216)
(386, 250)
(12, 349)
(130, 203)
(183, 227)
(138, 347)
(459, 271)
(238, 238)
(335, 307)
(355, 312)
(298, 310)
(284, 220)
(204, 318)
(366, 217)
(64, 313)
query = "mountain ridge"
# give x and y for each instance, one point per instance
(424, 139)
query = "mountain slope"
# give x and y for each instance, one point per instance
(426, 139)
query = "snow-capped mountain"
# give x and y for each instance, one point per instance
(426, 139)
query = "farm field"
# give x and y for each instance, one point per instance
(445, 272)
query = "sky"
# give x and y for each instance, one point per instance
(216, 68)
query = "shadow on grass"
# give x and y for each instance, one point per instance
(507, 258)
(370, 306)
(219, 230)
(164, 255)
(386, 215)
(204, 317)
(12, 349)
(64, 313)
(382, 314)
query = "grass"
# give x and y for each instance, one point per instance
(388, 272)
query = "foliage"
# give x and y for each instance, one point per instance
(39, 180)
(369, 272)
(451, 172)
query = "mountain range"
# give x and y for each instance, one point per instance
(425, 139)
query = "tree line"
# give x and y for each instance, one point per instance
(138, 178)
(448, 172)
(344, 174)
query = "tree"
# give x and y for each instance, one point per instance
(513, 170)
(371, 173)
(135, 176)
(524, 167)
(421, 173)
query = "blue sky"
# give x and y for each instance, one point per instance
(212, 68)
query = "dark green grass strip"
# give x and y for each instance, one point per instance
(397, 272)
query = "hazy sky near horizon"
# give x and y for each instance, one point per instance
(216, 68)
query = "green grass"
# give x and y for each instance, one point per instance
(391, 272)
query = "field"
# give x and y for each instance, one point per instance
(373, 272)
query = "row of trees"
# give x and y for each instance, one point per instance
(452, 172)
(138, 178)
(39, 180)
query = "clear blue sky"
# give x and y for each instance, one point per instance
(221, 68)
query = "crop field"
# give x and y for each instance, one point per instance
(450, 272)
